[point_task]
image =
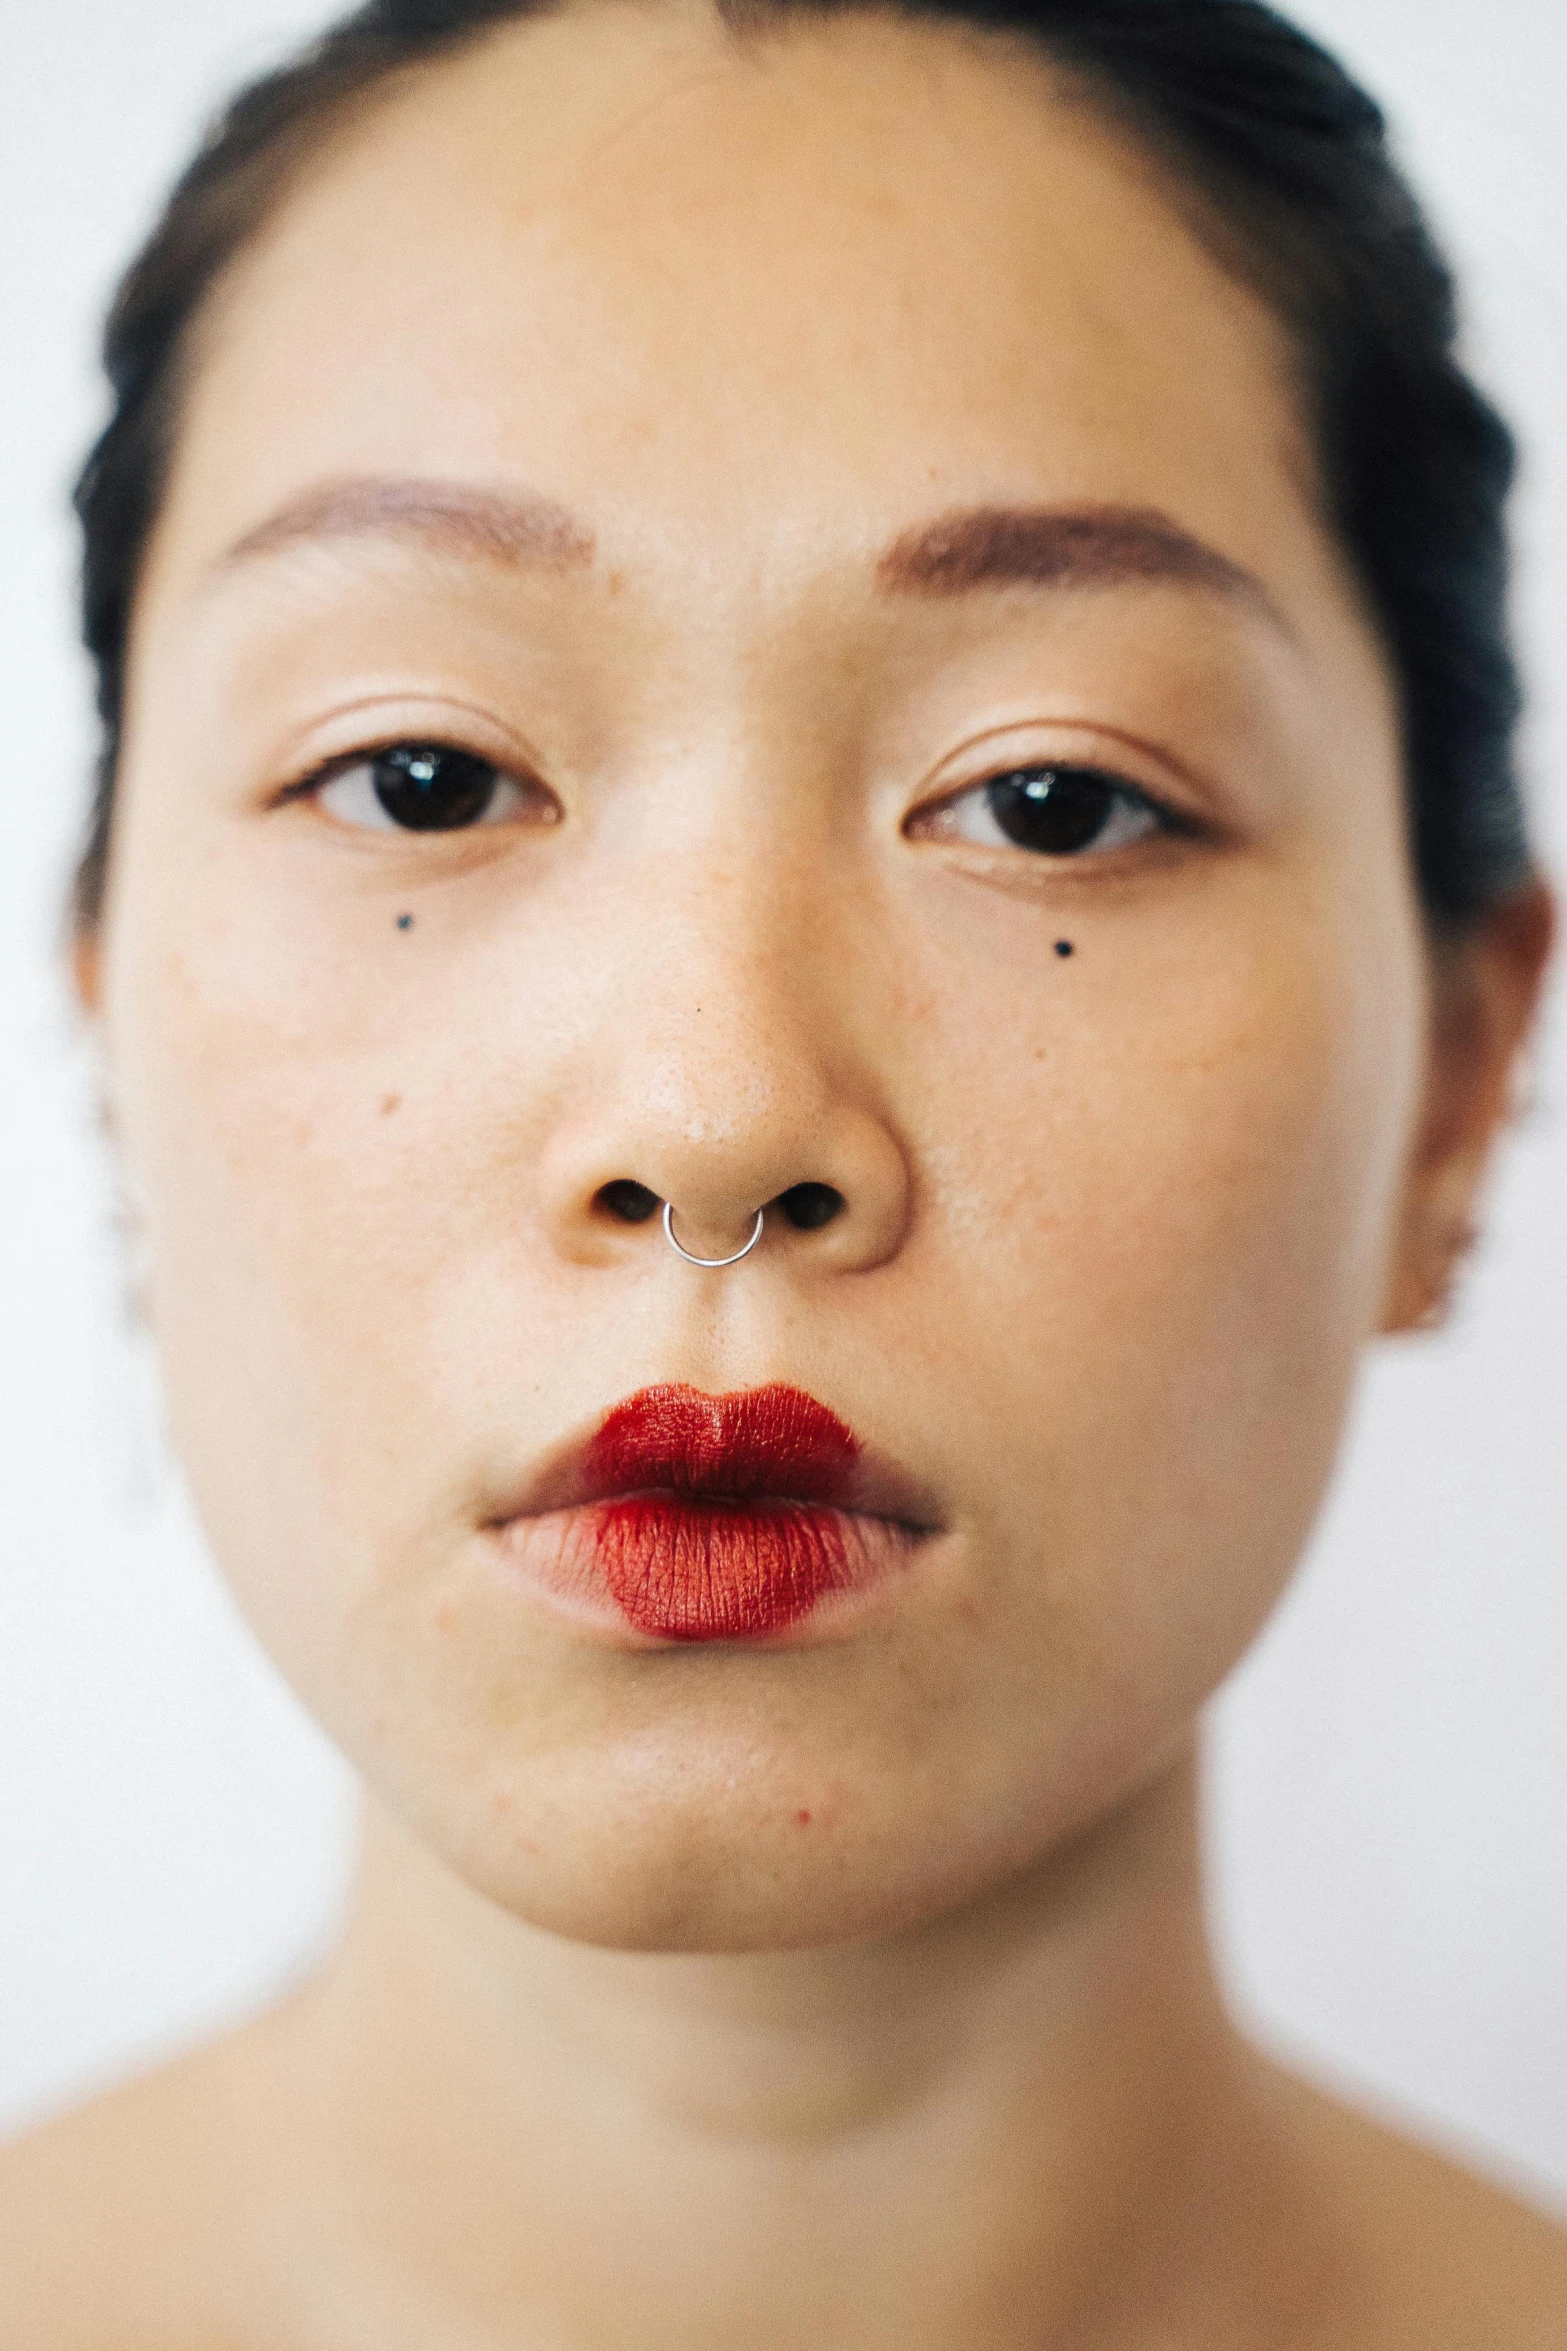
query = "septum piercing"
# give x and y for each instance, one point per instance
(712, 1264)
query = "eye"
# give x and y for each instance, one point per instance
(1054, 811)
(428, 788)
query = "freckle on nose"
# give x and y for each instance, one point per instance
(391, 1103)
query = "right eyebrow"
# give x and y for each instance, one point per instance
(498, 526)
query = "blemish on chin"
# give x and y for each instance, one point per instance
(405, 922)
(1065, 947)
(804, 1819)
(390, 1104)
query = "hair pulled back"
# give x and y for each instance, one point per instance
(1287, 163)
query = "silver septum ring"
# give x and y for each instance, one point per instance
(712, 1264)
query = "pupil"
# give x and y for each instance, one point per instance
(431, 790)
(1052, 809)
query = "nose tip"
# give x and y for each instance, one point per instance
(765, 1107)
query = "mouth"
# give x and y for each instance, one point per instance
(689, 1517)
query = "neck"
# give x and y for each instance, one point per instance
(928, 2140)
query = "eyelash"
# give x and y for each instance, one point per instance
(1054, 810)
(418, 767)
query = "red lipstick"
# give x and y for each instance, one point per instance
(717, 1518)
(730, 1525)
(772, 1440)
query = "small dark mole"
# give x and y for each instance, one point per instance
(391, 1103)
(1064, 947)
(805, 1819)
(405, 922)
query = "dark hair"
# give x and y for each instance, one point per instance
(1287, 162)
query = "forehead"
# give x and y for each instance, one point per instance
(747, 299)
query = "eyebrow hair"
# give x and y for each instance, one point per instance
(968, 549)
(1061, 547)
(501, 526)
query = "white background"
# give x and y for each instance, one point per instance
(1390, 1790)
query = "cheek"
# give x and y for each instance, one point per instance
(1166, 1200)
(296, 1141)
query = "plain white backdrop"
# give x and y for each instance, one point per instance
(1389, 1784)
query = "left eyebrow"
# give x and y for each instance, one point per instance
(981, 547)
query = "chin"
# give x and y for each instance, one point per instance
(642, 1860)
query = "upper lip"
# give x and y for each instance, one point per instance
(772, 1444)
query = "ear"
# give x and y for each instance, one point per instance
(1485, 992)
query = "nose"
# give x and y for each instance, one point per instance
(737, 1089)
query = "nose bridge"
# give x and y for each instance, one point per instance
(724, 1074)
(732, 1054)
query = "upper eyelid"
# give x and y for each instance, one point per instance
(373, 723)
(985, 762)
(1145, 768)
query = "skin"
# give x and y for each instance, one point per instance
(851, 1991)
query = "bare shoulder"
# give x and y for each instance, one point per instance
(127, 2226)
(1448, 2261)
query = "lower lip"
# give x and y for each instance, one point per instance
(674, 1567)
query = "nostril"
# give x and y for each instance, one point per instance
(809, 1206)
(628, 1202)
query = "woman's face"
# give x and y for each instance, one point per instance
(940, 757)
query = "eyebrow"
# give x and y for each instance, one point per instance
(1062, 547)
(499, 526)
(971, 548)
